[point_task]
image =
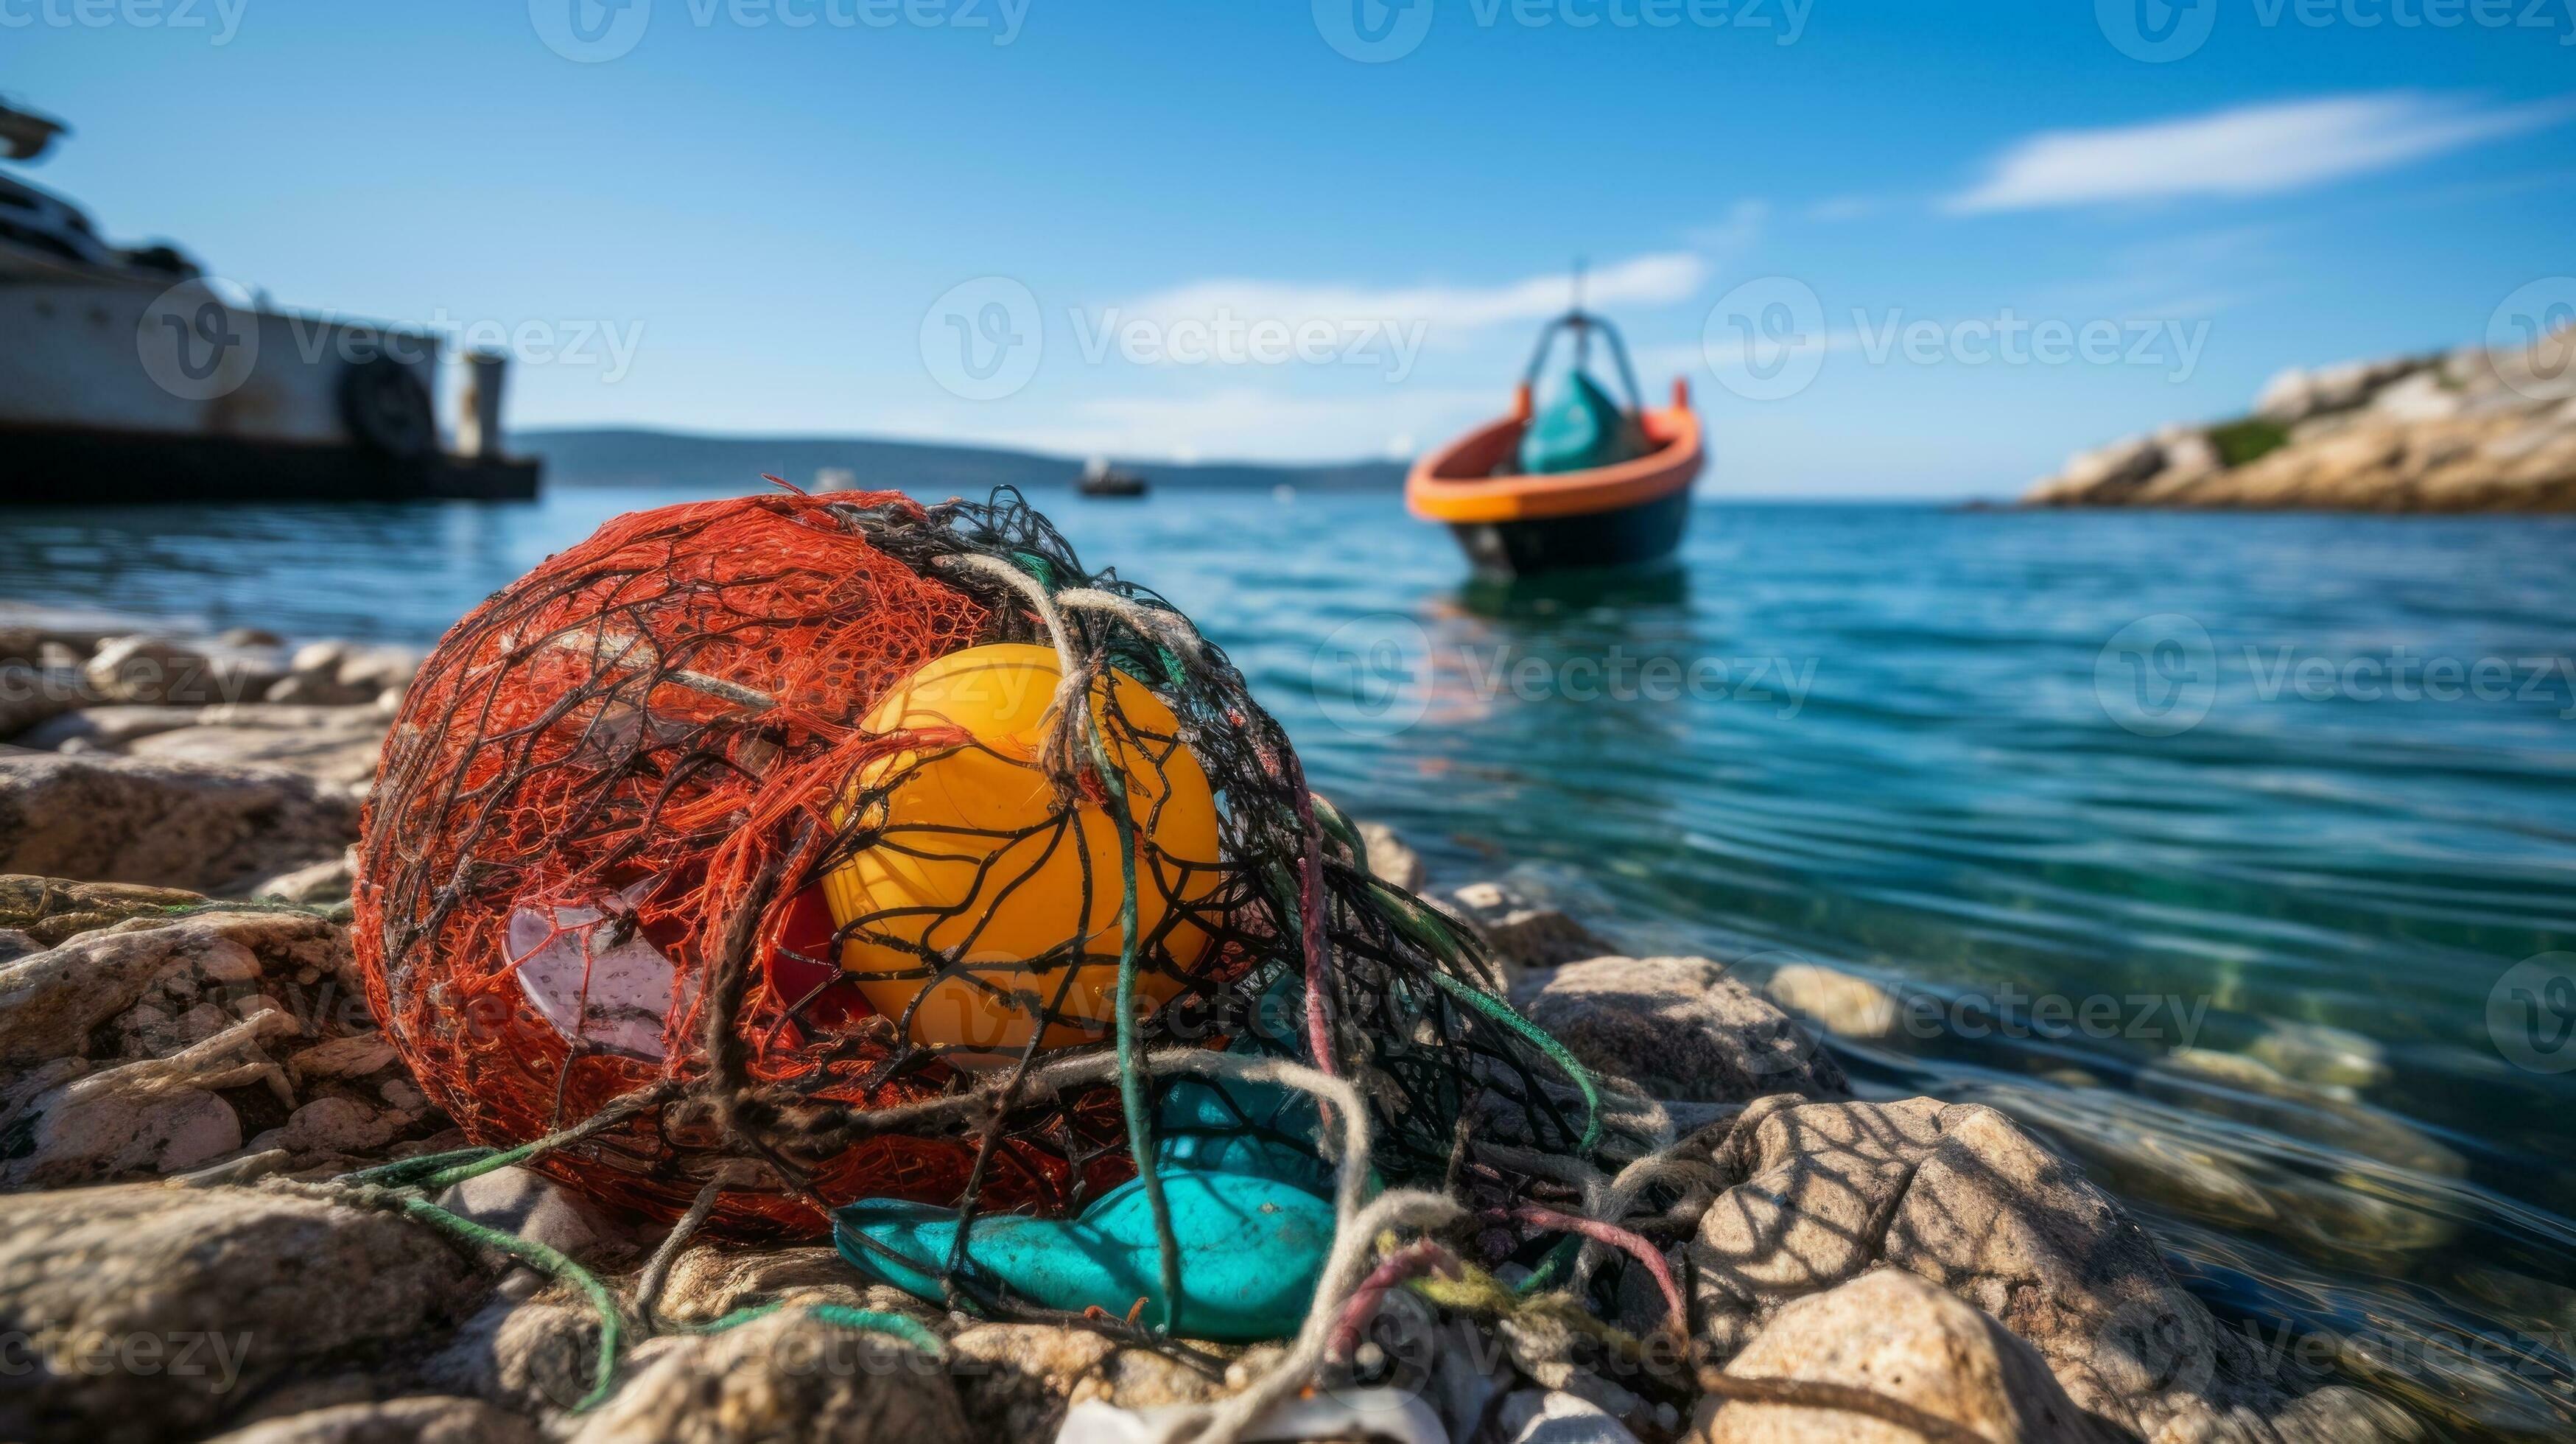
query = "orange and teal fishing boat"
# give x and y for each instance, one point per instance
(1581, 482)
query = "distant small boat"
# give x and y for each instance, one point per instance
(1099, 478)
(1626, 508)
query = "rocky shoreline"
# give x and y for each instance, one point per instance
(189, 1058)
(2474, 430)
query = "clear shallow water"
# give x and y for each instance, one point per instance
(2242, 969)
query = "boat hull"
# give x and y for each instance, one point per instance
(1630, 536)
(1625, 515)
(74, 466)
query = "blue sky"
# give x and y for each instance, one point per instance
(726, 220)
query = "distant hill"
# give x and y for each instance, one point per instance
(633, 457)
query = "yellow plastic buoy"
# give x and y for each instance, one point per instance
(975, 883)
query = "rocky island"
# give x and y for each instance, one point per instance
(190, 1063)
(2474, 430)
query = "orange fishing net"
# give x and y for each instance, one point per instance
(591, 890)
(613, 747)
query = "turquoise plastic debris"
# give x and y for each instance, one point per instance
(1251, 1208)
(1581, 427)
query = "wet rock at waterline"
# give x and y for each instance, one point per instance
(1679, 1028)
(1521, 933)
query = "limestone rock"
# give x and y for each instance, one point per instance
(337, 746)
(1678, 1028)
(1542, 1416)
(1960, 1196)
(2420, 397)
(32, 697)
(536, 1354)
(148, 669)
(110, 728)
(711, 1280)
(2319, 1054)
(336, 1126)
(1841, 1003)
(1389, 860)
(230, 1287)
(1520, 932)
(355, 1056)
(151, 977)
(1896, 1335)
(340, 674)
(151, 1116)
(787, 1376)
(2122, 464)
(524, 1202)
(1017, 1380)
(51, 910)
(432, 1419)
(323, 882)
(2473, 432)
(112, 819)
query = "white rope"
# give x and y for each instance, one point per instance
(1170, 628)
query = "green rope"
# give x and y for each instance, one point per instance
(1131, 1081)
(553, 1261)
(734, 1320)
(874, 1321)
(403, 1172)
(1539, 1038)
(1549, 1266)
(1344, 831)
(840, 1316)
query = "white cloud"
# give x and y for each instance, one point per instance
(1737, 234)
(1650, 280)
(1240, 423)
(2246, 151)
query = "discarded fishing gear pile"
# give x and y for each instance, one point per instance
(680, 882)
(590, 865)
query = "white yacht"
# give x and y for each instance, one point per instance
(128, 375)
